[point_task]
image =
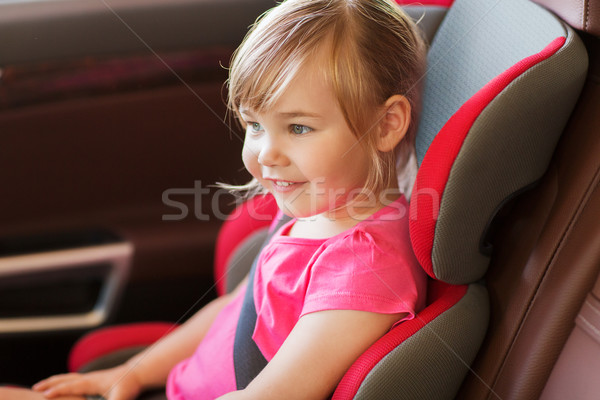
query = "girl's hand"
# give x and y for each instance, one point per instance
(27, 394)
(119, 383)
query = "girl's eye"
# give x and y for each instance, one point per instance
(300, 129)
(254, 127)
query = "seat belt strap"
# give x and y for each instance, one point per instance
(248, 360)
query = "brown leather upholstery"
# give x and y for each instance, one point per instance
(580, 14)
(547, 257)
(575, 374)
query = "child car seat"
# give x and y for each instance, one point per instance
(502, 79)
(547, 261)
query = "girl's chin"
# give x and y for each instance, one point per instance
(300, 212)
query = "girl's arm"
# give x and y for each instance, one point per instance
(148, 369)
(316, 354)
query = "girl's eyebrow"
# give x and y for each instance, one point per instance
(296, 114)
(284, 114)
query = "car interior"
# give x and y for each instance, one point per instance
(115, 133)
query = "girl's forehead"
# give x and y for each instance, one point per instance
(310, 80)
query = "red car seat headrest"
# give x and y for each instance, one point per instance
(240, 239)
(500, 87)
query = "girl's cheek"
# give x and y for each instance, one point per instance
(250, 159)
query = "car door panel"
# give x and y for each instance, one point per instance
(112, 119)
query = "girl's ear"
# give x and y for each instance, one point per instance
(394, 124)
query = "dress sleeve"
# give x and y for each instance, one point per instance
(365, 272)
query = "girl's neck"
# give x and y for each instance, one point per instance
(334, 222)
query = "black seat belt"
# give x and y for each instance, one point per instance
(248, 361)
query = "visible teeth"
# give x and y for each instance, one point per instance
(280, 183)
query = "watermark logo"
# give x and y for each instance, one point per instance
(306, 203)
(198, 192)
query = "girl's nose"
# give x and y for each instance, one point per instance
(271, 153)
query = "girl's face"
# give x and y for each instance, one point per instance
(303, 152)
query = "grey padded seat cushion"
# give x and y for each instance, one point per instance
(509, 144)
(477, 42)
(450, 343)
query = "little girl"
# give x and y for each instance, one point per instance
(327, 92)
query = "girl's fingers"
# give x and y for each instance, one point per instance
(78, 387)
(54, 380)
(93, 383)
(68, 386)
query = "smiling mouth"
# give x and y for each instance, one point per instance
(283, 186)
(283, 183)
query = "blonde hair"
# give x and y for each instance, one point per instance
(376, 52)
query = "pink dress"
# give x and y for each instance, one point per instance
(370, 267)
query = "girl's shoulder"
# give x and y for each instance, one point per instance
(383, 236)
